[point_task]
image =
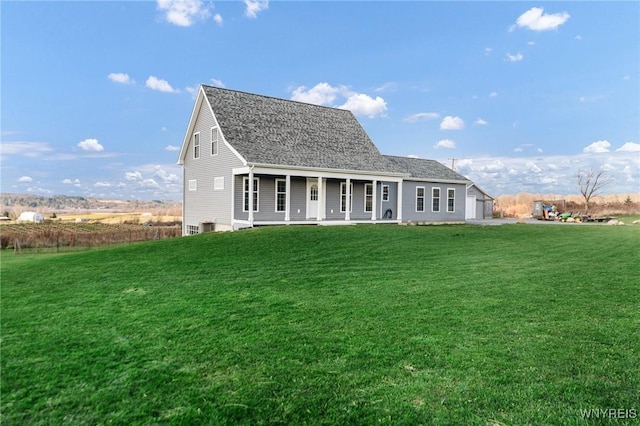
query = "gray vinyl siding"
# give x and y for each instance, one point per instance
(392, 204)
(409, 202)
(267, 199)
(206, 204)
(298, 198)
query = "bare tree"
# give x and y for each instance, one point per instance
(591, 182)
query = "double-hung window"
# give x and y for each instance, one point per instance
(214, 141)
(343, 197)
(368, 197)
(435, 200)
(196, 145)
(281, 195)
(451, 200)
(419, 198)
(256, 192)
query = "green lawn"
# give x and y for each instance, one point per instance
(458, 325)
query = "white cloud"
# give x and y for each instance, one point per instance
(121, 78)
(156, 83)
(550, 174)
(487, 50)
(217, 83)
(172, 148)
(421, 116)
(493, 94)
(514, 58)
(102, 185)
(445, 143)
(629, 147)
(598, 147)
(387, 87)
(412, 156)
(135, 176)
(578, 37)
(361, 104)
(253, 7)
(531, 43)
(150, 183)
(183, 13)
(75, 182)
(165, 176)
(325, 94)
(91, 145)
(218, 19)
(451, 123)
(480, 122)
(536, 20)
(320, 94)
(28, 149)
(25, 179)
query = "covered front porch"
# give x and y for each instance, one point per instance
(274, 196)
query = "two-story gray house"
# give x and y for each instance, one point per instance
(252, 160)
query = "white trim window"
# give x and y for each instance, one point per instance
(193, 184)
(245, 193)
(419, 198)
(368, 197)
(281, 195)
(451, 200)
(214, 141)
(343, 197)
(435, 200)
(385, 192)
(196, 145)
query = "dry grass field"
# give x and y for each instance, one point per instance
(521, 205)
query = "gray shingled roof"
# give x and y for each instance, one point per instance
(423, 169)
(269, 130)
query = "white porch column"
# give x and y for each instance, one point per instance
(374, 199)
(399, 201)
(250, 196)
(287, 208)
(319, 214)
(347, 213)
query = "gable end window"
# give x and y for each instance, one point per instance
(435, 200)
(385, 192)
(420, 198)
(245, 191)
(451, 200)
(214, 141)
(196, 145)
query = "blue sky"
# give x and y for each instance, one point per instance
(96, 96)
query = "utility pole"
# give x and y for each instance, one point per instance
(453, 163)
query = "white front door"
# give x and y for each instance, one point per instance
(312, 198)
(470, 211)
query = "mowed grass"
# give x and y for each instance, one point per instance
(512, 324)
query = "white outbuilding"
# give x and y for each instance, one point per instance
(33, 217)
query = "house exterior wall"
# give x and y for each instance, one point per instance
(484, 205)
(206, 204)
(391, 204)
(409, 212)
